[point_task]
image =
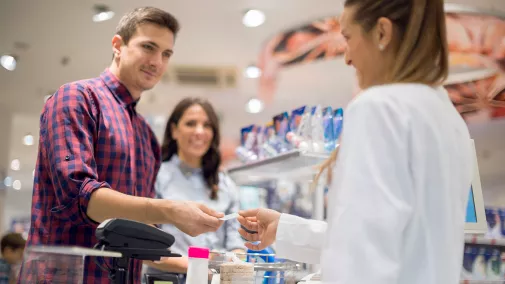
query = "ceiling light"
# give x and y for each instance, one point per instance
(102, 13)
(8, 181)
(15, 165)
(254, 106)
(8, 62)
(103, 16)
(252, 71)
(253, 18)
(28, 140)
(16, 185)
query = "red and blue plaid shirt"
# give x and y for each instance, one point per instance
(90, 137)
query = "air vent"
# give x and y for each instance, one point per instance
(201, 76)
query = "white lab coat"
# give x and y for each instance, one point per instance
(398, 197)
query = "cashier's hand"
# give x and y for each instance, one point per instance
(195, 218)
(262, 221)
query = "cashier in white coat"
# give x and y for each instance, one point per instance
(400, 182)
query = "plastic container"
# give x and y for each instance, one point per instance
(267, 268)
(198, 265)
(57, 265)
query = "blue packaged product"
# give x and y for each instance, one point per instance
(295, 119)
(244, 134)
(245, 152)
(338, 121)
(281, 125)
(266, 255)
(469, 257)
(501, 214)
(329, 136)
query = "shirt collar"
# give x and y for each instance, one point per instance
(117, 88)
(185, 168)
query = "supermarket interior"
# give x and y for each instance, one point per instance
(276, 75)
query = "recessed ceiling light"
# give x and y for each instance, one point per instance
(16, 185)
(102, 13)
(103, 16)
(8, 181)
(8, 62)
(253, 18)
(254, 106)
(15, 165)
(252, 71)
(28, 140)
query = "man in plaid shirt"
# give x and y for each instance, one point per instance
(98, 158)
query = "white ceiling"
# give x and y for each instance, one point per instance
(211, 35)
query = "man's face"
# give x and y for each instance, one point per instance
(144, 59)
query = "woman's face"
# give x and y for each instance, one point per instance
(193, 133)
(362, 50)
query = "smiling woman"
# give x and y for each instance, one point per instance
(190, 171)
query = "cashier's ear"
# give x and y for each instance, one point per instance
(117, 42)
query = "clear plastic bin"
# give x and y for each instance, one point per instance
(266, 270)
(57, 265)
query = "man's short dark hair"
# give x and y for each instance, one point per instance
(13, 241)
(128, 24)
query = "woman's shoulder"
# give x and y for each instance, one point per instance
(398, 97)
(400, 91)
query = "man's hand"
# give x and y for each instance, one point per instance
(262, 221)
(194, 218)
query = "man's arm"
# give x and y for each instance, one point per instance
(68, 127)
(106, 203)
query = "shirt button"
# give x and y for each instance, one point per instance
(67, 158)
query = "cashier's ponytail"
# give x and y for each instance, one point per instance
(326, 168)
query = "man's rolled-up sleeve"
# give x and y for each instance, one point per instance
(68, 128)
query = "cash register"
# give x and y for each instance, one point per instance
(133, 240)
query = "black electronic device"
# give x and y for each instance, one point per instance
(134, 240)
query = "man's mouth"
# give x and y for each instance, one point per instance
(148, 73)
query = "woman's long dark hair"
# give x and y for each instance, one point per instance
(210, 160)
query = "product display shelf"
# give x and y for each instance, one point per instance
(295, 165)
(481, 240)
(482, 282)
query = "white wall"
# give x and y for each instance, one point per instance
(5, 130)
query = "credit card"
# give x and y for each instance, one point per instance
(229, 217)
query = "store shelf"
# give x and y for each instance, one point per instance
(295, 164)
(482, 282)
(479, 240)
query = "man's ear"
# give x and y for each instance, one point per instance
(117, 42)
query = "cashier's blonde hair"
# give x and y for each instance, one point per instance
(421, 52)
